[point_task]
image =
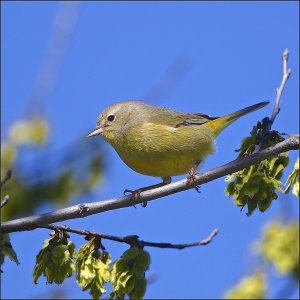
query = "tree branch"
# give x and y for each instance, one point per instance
(182, 246)
(4, 201)
(132, 240)
(3, 181)
(86, 209)
(6, 178)
(285, 76)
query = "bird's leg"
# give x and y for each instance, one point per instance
(137, 192)
(191, 177)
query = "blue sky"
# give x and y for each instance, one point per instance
(120, 50)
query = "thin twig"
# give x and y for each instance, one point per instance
(86, 209)
(132, 240)
(3, 181)
(4, 201)
(182, 246)
(6, 178)
(285, 76)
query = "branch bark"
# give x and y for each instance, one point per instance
(86, 209)
(285, 76)
(132, 240)
(4, 201)
(6, 178)
(3, 181)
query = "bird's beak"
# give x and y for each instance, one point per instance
(97, 131)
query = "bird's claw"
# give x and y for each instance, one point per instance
(136, 194)
(128, 191)
(144, 204)
(191, 181)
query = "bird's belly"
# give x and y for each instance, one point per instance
(160, 166)
(165, 156)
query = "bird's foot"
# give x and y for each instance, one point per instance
(136, 193)
(136, 196)
(191, 180)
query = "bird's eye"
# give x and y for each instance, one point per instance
(110, 118)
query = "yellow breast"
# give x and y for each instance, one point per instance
(163, 151)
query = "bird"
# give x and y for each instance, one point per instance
(162, 142)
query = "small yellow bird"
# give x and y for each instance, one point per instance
(159, 141)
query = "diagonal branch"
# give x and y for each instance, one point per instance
(3, 181)
(132, 240)
(86, 209)
(6, 178)
(4, 201)
(285, 76)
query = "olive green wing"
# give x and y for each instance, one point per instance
(195, 119)
(175, 119)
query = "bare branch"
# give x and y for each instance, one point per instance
(4, 201)
(3, 181)
(132, 240)
(6, 178)
(285, 76)
(182, 246)
(86, 209)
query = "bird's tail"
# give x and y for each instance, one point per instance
(219, 124)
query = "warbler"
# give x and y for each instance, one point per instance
(161, 142)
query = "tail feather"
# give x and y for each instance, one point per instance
(219, 124)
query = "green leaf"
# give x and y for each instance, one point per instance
(128, 274)
(239, 200)
(256, 186)
(131, 253)
(8, 156)
(92, 268)
(280, 247)
(35, 130)
(139, 289)
(252, 204)
(230, 189)
(143, 261)
(72, 249)
(230, 177)
(60, 253)
(264, 203)
(58, 185)
(293, 180)
(55, 261)
(123, 279)
(121, 264)
(251, 287)
(7, 249)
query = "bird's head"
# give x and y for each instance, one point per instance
(115, 120)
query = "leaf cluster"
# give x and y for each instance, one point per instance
(92, 267)
(293, 180)
(257, 186)
(128, 274)
(6, 249)
(280, 247)
(253, 286)
(55, 259)
(53, 176)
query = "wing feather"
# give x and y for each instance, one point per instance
(176, 119)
